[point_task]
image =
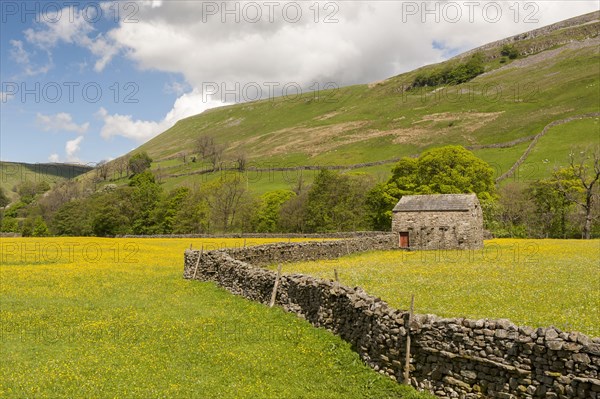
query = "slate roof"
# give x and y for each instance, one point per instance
(436, 202)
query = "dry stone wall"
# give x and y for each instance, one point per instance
(263, 255)
(450, 357)
(10, 235)
(341, 234)
(536, 138)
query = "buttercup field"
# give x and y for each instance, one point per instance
(284, 199)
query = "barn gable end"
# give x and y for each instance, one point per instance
(439, 221)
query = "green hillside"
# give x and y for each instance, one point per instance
(556, 76)
(13, 174)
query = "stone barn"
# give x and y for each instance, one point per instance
(439, 221)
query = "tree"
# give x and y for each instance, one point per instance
(16, 209)
(267, 215)
(108, 221)
(72, 219)
(9, 225)
(165, 212)
(514, 212)
(292, 213)
(121, 165)
(585, 171)
(27, 191)
(336, 202)
(205, 146)
(452, 73)
(474, 66)
(145, 195)
(245, 220)
(453, 170)
(139, 162)
(380, 201)
(509, 50)
(225, 197)
(27, 227)
(444, 170)
(194, 214)
(102, 170)
(241, 160)
(216, 157)
(552, 206)
(40, 229)
(210, 150)
(4, 200)
(60, 195)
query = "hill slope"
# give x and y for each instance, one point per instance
(12, 174)
(555, 77)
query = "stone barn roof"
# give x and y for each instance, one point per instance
(436, 203)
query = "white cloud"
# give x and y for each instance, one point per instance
(23, 57)
(72, 147)
(18, 53)
(124, 125)
(74, 27)
(54, 158)
(153, 3)
(139, 130)
(103, 49)
(176, 88)
(60, 122)
(370, 41)
(68, 28)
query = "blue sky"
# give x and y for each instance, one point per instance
(59, 94)
(88, 81)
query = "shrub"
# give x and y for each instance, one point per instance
(509, 50)
(452, 74)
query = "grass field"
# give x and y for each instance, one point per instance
(88, 317)
(532, 282)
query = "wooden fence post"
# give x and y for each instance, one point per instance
(198, 262)
(274, 294)
(407, 360)
(337, 280)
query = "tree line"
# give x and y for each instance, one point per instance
(565, 205)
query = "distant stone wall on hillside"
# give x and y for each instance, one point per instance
(537, 137)
(451, 357)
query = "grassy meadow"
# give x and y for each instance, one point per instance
(531, 282)
(89, 317)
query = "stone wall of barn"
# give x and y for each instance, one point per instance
(450, 357)
(441, 230)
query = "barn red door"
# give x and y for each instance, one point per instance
(404, 240)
